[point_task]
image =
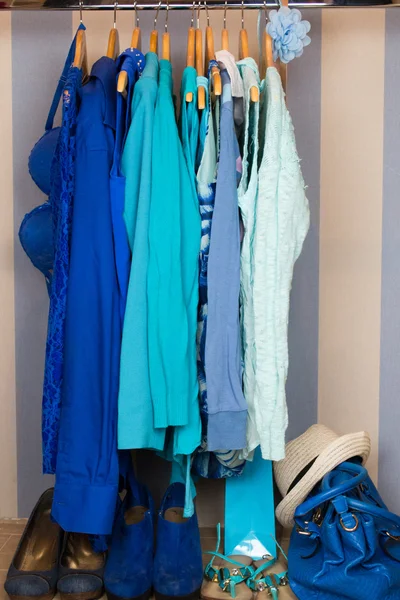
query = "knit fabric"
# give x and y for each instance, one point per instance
(282, 221)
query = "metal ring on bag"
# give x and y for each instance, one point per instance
(396, 538)
(350, 529)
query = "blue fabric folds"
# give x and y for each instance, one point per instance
(87, 463)
(61, 199)
(132, 62)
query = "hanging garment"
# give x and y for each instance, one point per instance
(87, 472)
(282, 221)
(36, 232)
(189, 119)
(135, 408)
(224, 463)
(132, 62)
(228, 60)
(61, 200)
(227, 411)
(172, 278)
(247, 194)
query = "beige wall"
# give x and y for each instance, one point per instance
(352, 108)
(8, 458)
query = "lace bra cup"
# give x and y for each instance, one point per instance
(36, 237)
(37, 230)
(41, 158)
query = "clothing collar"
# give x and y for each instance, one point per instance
(152, 67)
(132, 61)
(105, 70)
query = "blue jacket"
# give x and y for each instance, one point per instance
(87, 462)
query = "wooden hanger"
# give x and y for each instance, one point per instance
(244, 53)
(113, 38)
(166, 41)
(191, 50)
(122, 83)
(224, 32)
(80, 56)
(154, 33)
(268, 51)
(201, 92)
(210, 55)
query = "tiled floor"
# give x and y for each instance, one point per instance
(11, 530)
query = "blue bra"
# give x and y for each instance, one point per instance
(36, 231)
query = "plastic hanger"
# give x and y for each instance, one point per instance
(154, 33)
(166, 40)
(80, 57)
(191, 50)
(244, 53)
(210, 55)
(224, 32)
(113, 38)
(122, 83)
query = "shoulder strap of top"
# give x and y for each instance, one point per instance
(61, 83)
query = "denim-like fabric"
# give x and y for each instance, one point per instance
(87, 463)
(227, 411)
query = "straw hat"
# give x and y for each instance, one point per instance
(310, 457)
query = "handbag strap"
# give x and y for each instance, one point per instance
(312, 503)
(61, 82)
(350, 504)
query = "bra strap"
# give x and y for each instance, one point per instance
(61, 82)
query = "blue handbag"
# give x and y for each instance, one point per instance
(345, 544)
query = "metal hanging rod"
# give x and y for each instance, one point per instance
(174, 5)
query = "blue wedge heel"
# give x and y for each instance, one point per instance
(129, 569)
(178, 568)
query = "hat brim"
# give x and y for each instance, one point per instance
(344, 448)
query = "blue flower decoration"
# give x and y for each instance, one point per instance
(288, 33)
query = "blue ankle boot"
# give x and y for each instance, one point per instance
(178, 568)
(129, 570)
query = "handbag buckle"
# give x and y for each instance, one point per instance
(304, 531)
(350, 529)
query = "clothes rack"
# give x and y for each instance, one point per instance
(173, 5)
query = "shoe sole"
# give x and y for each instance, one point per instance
(193, 596)
(145, 596)
(95, 595)
(48, 596)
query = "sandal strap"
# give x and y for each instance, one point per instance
(226, 578)
(270, 582)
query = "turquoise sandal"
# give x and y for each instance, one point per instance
(263, 580)
(226, 574)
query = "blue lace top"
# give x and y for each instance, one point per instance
(61, 196)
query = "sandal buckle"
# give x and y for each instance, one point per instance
(226, 583)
